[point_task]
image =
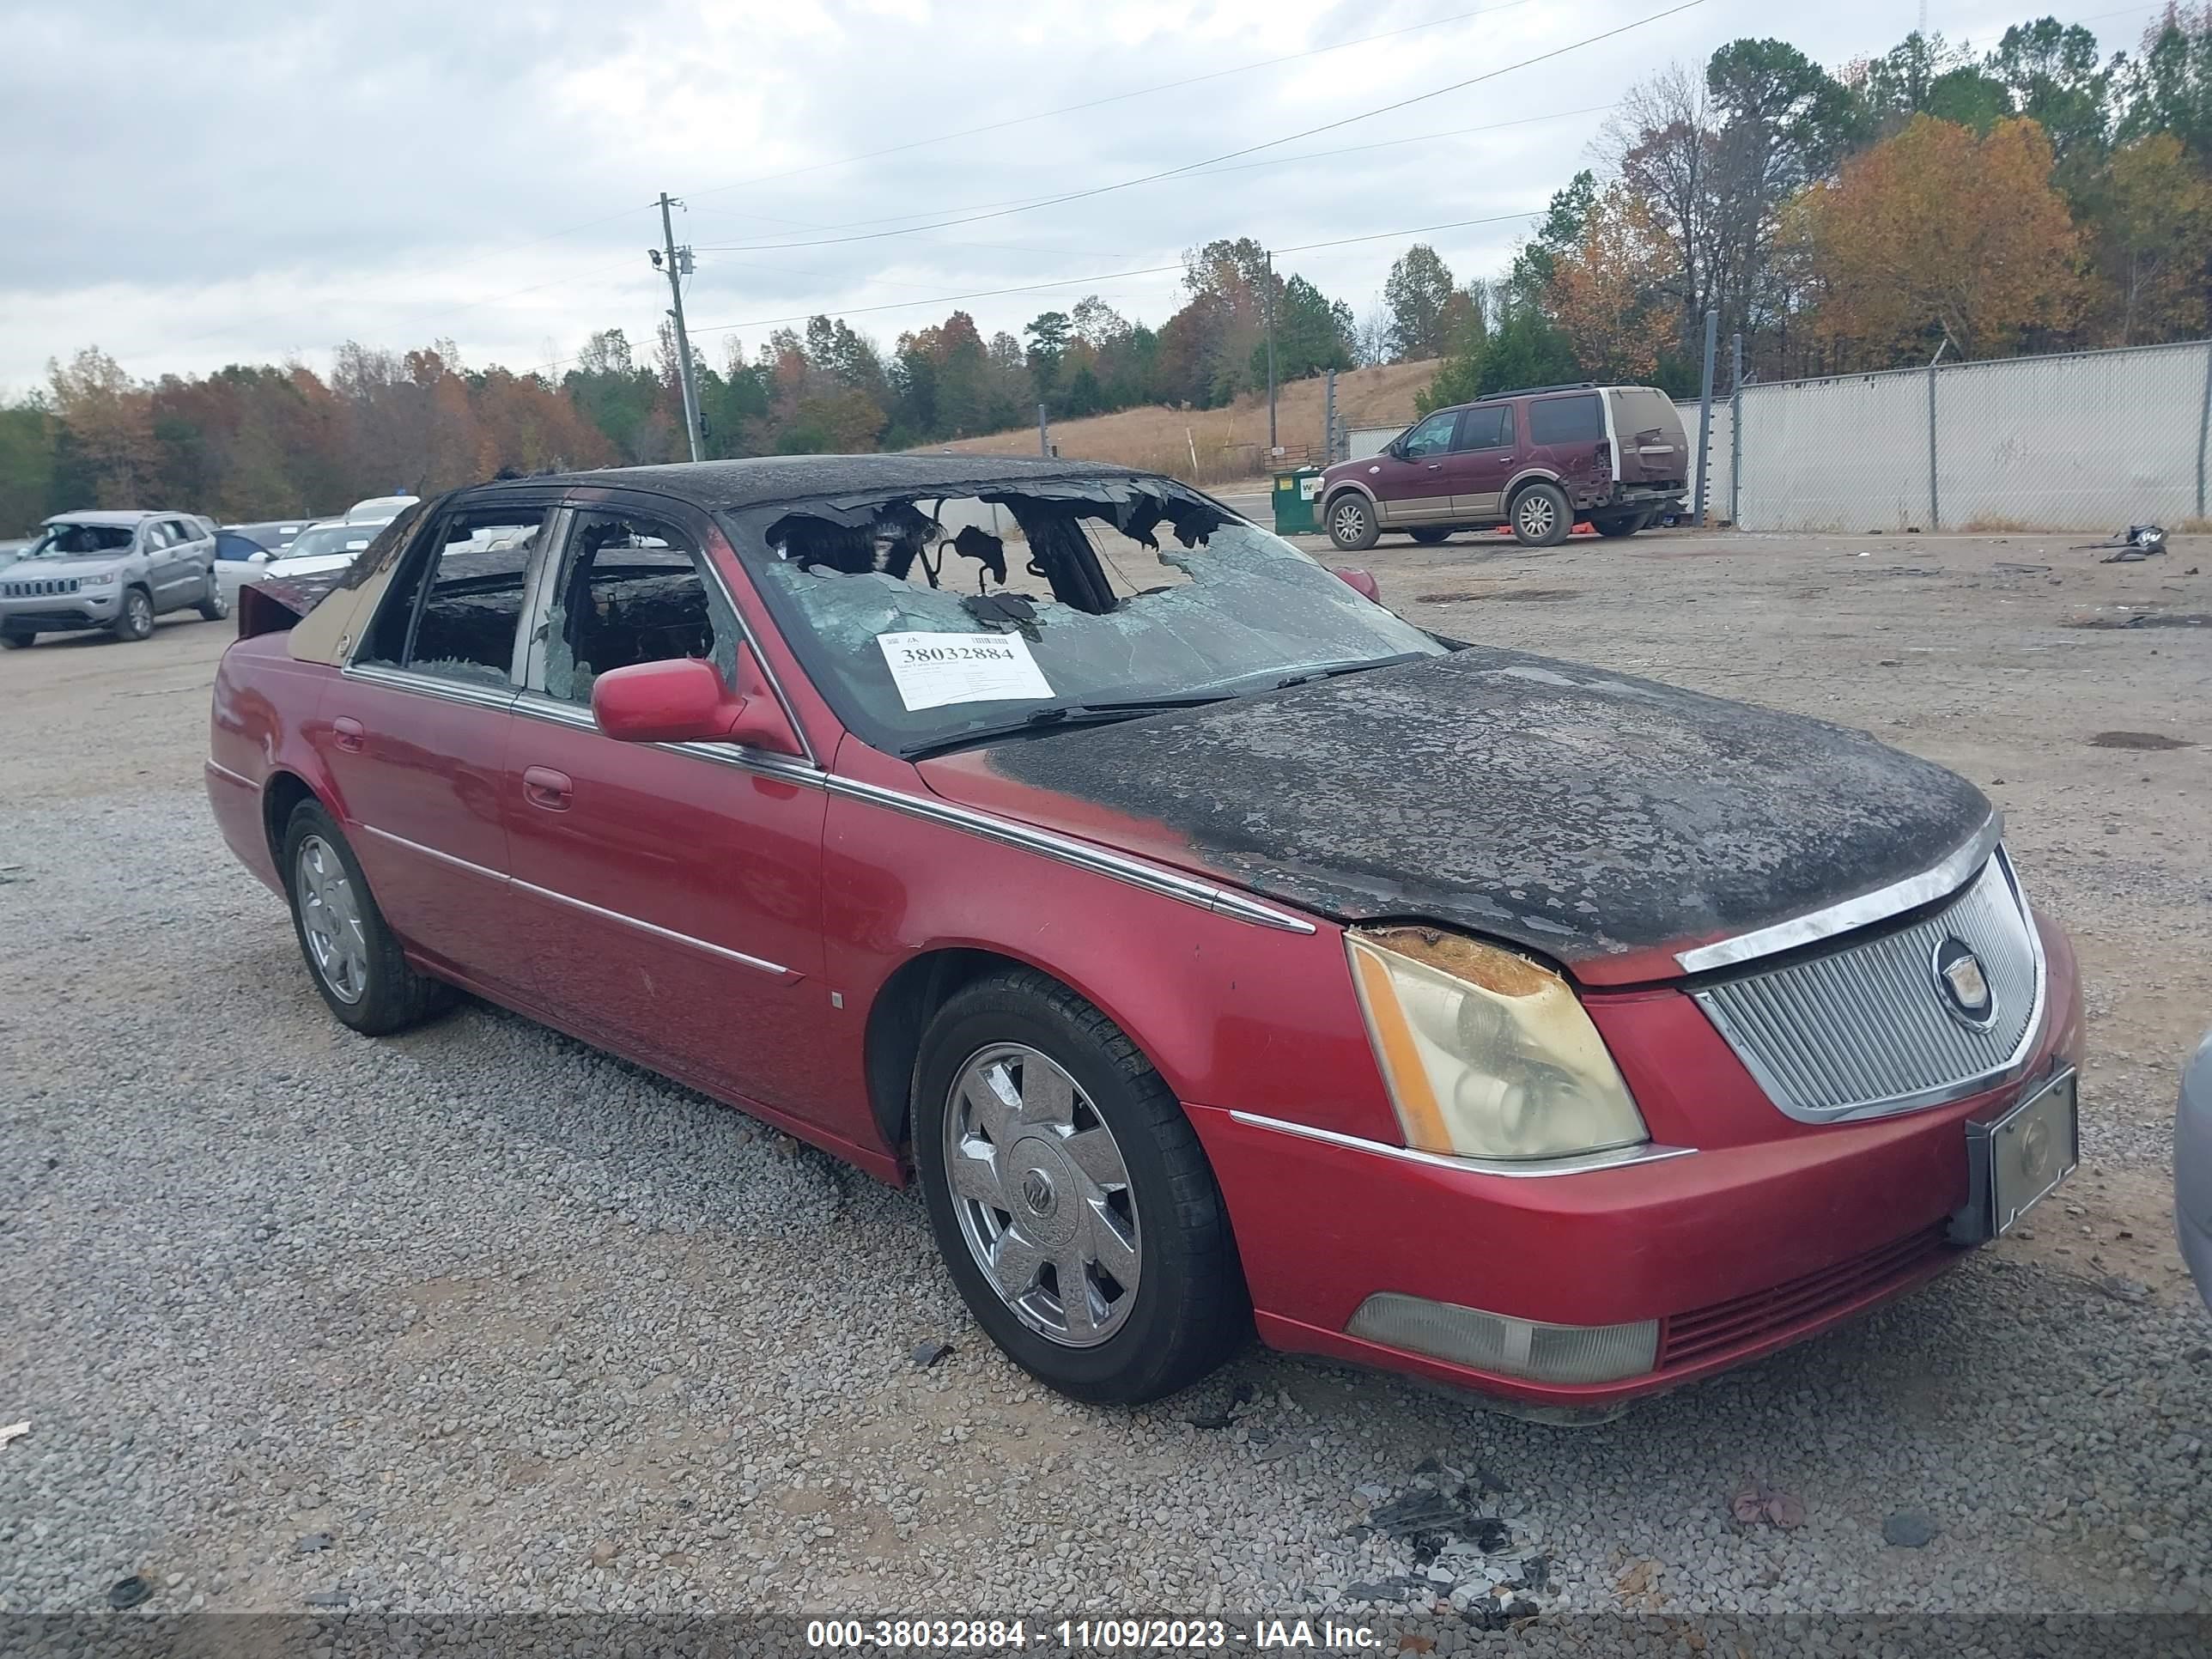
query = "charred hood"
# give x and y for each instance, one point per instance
(1589, 815)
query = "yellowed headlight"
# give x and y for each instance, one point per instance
(1486, 1054)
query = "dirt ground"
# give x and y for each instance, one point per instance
(594, 1219)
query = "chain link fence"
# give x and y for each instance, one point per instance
(2089, 441)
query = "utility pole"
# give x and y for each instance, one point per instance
(1044, 434)
(1705, 416)
(678, 266)
(1273, 447)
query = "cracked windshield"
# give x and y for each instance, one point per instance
(945, 622)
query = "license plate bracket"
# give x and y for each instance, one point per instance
(2016, 1159)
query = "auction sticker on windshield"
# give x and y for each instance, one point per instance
(932, 670)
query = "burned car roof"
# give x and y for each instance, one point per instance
(771, 480)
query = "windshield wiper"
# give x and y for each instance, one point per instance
(1066, 714)
(1333, 669)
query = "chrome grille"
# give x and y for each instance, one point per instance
(1867, 1030)
(41, 589)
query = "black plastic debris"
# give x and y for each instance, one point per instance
(926, 1354)
(1908, 1529)
(128, 1592)
(2136, 542)
(313, 1543)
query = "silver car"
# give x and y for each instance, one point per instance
(115, 571)
(2192, 1167)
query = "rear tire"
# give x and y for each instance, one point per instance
(17, 639)
(351, 953)
(1542, 517)
(1351, 518)
(1022, 1055)
(1620, 525)
(135, 620)
(1430, 537)
(215, 607)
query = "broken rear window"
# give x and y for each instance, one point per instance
(930, 623)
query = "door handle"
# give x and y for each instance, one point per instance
(351, 732)
(542, 787)
(1435, 467)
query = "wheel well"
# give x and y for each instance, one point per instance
(283, 792)
(899, 1015)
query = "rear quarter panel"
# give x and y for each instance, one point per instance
(260, 724)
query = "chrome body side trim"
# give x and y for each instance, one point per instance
(758, 963)
(229, 776)
(1958, 868)
(1081, 855)
(1533, 1169)
(429, 685)
(433, 853)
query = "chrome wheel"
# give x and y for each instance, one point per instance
(1535, 516)
(137, 614)
(1349, 522)
(1042, 1196)
(330, 920)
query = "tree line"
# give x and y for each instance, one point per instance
(2034, 197)
(2037, 196)
(250, 441)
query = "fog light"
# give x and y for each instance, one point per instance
(1511, 1347)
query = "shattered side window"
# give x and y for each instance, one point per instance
(632, 590)
(927, 621)
(465, 625)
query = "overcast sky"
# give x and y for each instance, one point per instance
(188, 183)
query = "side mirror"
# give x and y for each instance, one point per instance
(1361, 582)
(262, 557)
(1396, 449)
(685, 700)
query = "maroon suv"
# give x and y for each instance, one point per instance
(1542, 460)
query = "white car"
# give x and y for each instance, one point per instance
(380, 509)
(331, 546)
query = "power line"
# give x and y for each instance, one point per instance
(1249, 149)
(1099, 103)
(1242, 166)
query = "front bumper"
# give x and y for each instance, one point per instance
(59, 613)
(1754, 1242)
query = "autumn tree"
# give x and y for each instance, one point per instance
(1607, 293)
(1937, 233)
(2152, 214)
(107, 427)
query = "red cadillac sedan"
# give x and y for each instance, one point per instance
(1215, 947)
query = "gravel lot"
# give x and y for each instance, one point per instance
(478, 1319)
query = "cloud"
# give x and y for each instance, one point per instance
(192, 183)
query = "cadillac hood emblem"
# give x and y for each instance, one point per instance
(1960, 979)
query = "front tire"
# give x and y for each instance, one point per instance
(1072, 1202)
(351, 953)
(1431, 536)
(135, 621)
(17, 639)
(215, 607)
(1542, 517)
(1352, 523)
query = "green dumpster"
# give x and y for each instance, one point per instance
(1295, 489)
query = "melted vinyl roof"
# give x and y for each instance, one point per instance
(766, 480)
